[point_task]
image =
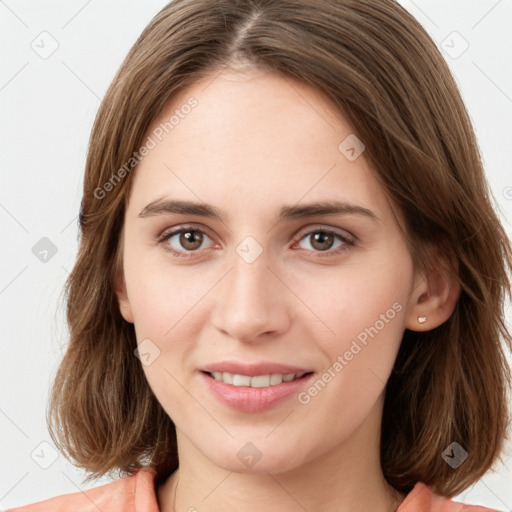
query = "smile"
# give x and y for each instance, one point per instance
(254, 393)
(257, 381)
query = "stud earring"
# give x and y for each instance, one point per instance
(422, 319)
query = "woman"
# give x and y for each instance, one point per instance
(290, 284)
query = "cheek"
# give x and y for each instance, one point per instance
(362, 308)
(355, 296)
(162, 299)
(167, 309)
(366, 312)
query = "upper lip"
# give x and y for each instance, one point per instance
(253, 369)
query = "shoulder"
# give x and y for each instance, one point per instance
(128, 494)
(422, 499)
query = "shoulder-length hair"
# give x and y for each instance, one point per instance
(381, 71)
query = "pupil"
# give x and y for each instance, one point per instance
(191, 240)
(322, 238)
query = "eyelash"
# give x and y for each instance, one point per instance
(347, 241)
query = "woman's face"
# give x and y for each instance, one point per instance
(247, 278)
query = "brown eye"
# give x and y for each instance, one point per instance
(325, 241)
(321, 240)
(185, 241)
(191, 240)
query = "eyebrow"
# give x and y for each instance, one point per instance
(162, 206)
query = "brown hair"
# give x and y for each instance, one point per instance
(382, 71)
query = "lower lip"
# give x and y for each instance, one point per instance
(248, 399)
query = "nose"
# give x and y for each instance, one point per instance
(251, 302)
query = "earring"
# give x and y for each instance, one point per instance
(422, 319)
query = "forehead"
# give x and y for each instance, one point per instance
(250, 140)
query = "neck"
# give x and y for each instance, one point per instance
(346, 479)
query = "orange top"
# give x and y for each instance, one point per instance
(136, 493)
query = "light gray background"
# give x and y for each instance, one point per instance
(48, 107)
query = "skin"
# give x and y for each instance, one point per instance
(254, 143)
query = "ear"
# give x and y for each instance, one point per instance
(434, 297)
(122, 297)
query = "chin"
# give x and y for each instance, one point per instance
(256, 457)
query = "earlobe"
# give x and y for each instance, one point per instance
(433, 300)
(122, 298)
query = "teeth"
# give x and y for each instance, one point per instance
(277, 378)
(241, 380)
(261, 381)
(258, 381)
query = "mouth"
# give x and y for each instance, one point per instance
(254, 393)
(255, 381)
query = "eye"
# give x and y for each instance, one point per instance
(190, 239)
(326, 241)
(183, 240)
